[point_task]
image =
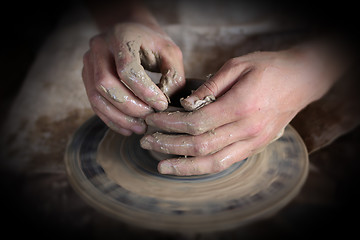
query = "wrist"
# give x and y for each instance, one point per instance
(322, 62)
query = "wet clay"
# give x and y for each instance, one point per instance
(53, 91)
(134, 72)
(115, 94)
(167, 81)
(198, 103)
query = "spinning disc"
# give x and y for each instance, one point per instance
(116, 176)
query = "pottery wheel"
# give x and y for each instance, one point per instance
(116, 176)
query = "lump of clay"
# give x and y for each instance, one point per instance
(198, 103)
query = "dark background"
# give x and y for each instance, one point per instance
(24, 27)
(27, 24)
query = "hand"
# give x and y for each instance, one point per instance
(118, 88)
(257, 96)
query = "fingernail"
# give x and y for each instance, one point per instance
(149, 121)
(165, 167)
(146, 141)
(161, 105)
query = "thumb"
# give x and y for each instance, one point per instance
(172, 70)
(216, 86)
(204, 95)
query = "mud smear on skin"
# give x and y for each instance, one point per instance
(149, 60)
(115, 94)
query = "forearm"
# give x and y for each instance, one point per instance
(327, 59)
(336, 111)
(110, 12)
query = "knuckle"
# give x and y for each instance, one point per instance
(200, 147)
(195, 129)
(263, 139)
(232, 62)
(172, 49)
(211, 86)
(255, 129)
(247, 110)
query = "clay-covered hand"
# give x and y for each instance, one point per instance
(119, 90)
(257, 95)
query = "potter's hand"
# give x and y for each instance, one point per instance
(119, 90)
(257, 96)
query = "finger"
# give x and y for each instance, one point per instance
(217, 85)
(233, 106)
(210, 117)
(114, 126)
(202, 144)
(109, 85)
(104, 107)
(216, 162)
(172, 69)
(131, 72)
